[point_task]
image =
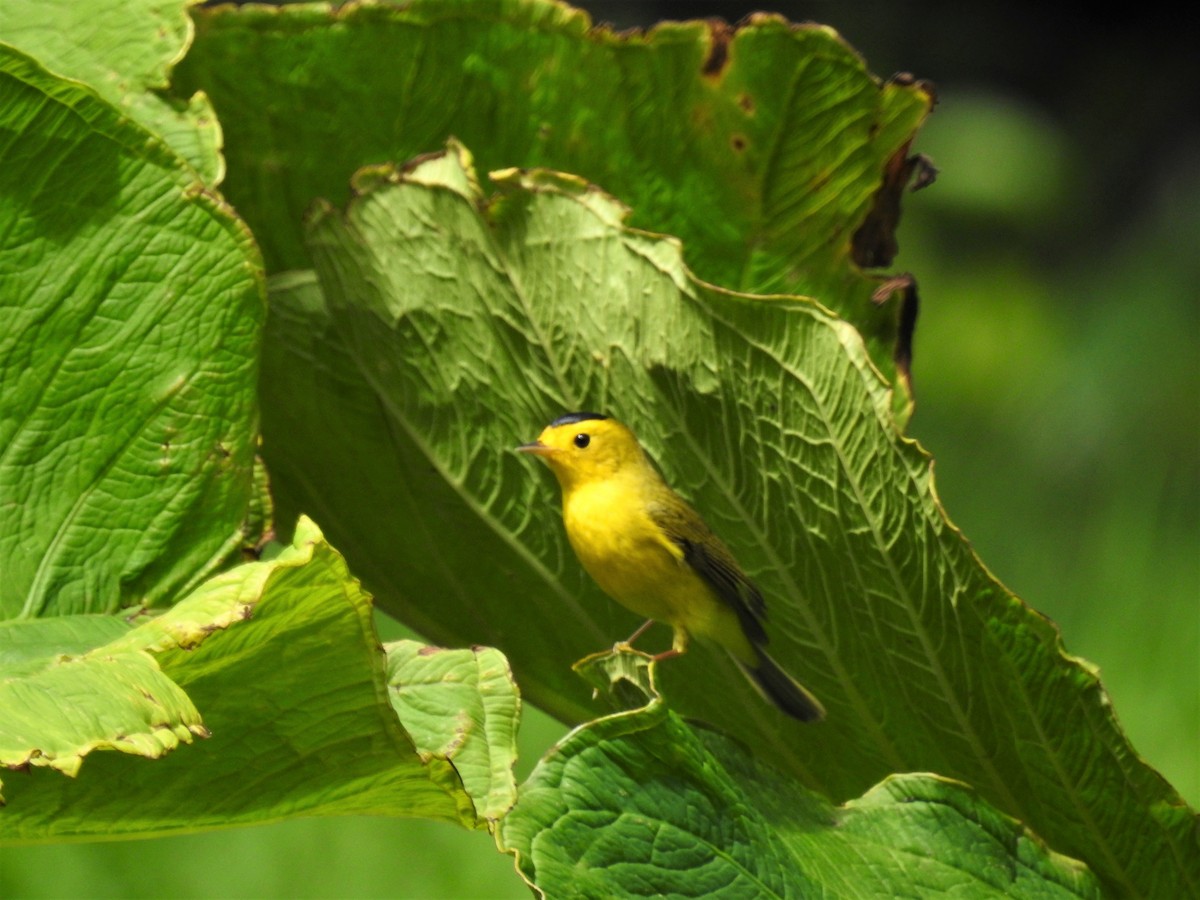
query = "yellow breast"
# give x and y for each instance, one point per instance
(626, 553)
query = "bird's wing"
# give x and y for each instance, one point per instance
(709, 558)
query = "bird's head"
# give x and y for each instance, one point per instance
(583, 447)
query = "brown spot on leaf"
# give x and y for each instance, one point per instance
(746, 102)
(907, 79)
(874, 244)
(720, 33)
(738, 142)
(256, 551)
(429, 650)
(419, 160)
(906, 324)
(926, 172)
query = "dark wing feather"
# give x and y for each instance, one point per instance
(711, 560)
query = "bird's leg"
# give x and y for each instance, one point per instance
(678, 647)
(642, 629)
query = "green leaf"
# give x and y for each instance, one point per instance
(31, 640)
(461, 706)
(770, 150)
(280, 658)
(640, 804)
(124, 50)
(65, 694)
(456, 328)
(132, 306)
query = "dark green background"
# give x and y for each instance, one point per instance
(1057, 385)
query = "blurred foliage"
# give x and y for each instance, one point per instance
(1056, 383)
(329, 858)
(1059, 397)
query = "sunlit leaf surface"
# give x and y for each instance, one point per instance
(278, 658)
(124, 50)
(132, 308)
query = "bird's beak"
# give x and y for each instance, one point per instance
(537, 448)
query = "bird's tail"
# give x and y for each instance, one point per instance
(782, 689)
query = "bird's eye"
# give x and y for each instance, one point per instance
(582, 440)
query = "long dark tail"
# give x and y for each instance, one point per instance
(782, 689)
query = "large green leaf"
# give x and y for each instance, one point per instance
(132, 306)
(770, 149)
(124, 50)
(281, 659)
(455, 329)
(641, 804)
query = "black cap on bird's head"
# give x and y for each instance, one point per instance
(572, 418)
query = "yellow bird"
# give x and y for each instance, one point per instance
(652, 553)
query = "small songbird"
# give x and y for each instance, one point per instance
(652, 553)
